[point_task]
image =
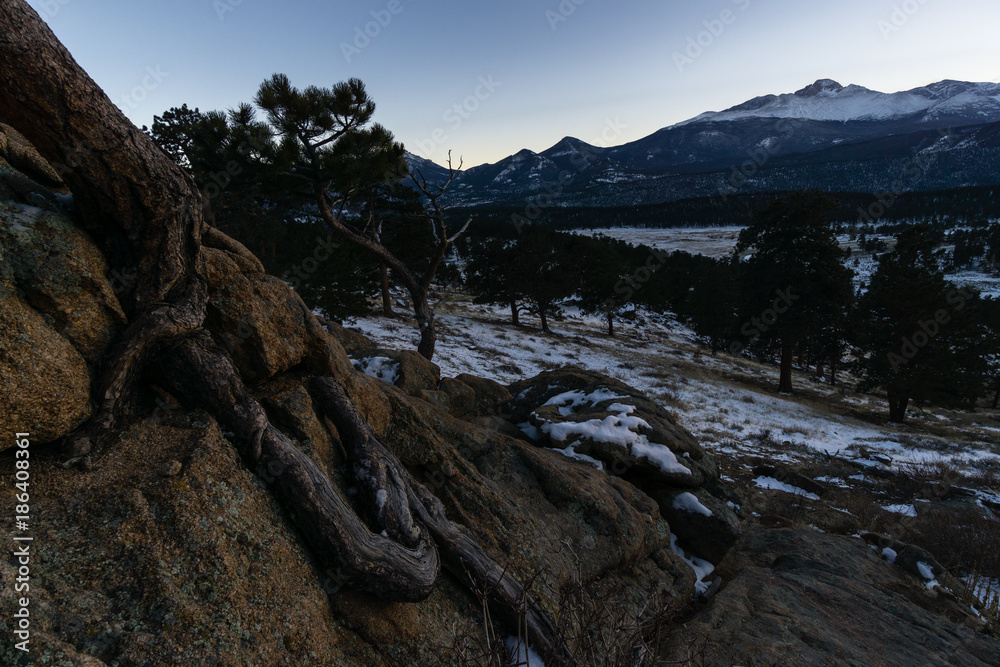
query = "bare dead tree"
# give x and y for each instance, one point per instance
(418, 285)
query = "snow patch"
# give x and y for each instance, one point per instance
(521, 653)
(570, 452)
(569, 402)
(772, 483)
(904, 509)
(621, 429)
(688, 502)
(927, 572)
(383, 368)
(702, 568)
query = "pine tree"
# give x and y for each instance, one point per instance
(795, 280)
(599, 264)
(494, 277)
(326, 142)
(919, 336)
(248, 199)
(543, 265)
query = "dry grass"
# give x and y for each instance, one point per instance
(598, 629)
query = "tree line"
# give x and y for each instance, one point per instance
(973, 205)
(785, 294)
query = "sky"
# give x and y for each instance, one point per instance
(485, 79)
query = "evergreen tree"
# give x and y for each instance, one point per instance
(920, 337)
(542, 261)
(795, 280)
(326, 141)
(494, 276)
(993, 250)
(991, 320)
(248, 199)
(712, 301)
(598, 265)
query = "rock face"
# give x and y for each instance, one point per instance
(44, 387)
(59, 272)
(604, 423)
(412, 373)
(351, 340)
(803, 598)
(58, 315)
(260, 324)
(24, 160)
(144, 568)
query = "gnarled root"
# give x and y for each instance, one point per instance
(367, 560)
(463, 556)
(137, 345)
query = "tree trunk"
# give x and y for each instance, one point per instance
(897, 406)
(996, 397)
(514, 313)
(787, 356)
(545, 322)
(386, 296)
(425, 322)
(611, 324)
(415, 287)
(833, 372)
(146, 215)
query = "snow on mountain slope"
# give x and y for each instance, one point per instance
(827, 100)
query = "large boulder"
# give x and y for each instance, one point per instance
(604, 423)
(704, 523)
(352, 340)
(172, 551)
(257, 318)
(587, 415)
(58, 316)
(59, 272)
(405, 369)
(490, 396)
(44, 383)
(800, 597)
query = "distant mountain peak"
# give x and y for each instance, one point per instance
(821, 86)
(827, 100)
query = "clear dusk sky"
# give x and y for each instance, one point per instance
(485, 79)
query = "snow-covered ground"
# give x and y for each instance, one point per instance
(730, 404)
(719, 242)
(709, 241)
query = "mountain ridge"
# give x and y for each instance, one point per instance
(821, 128)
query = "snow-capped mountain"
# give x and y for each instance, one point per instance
(825, 136)
(828, 100)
